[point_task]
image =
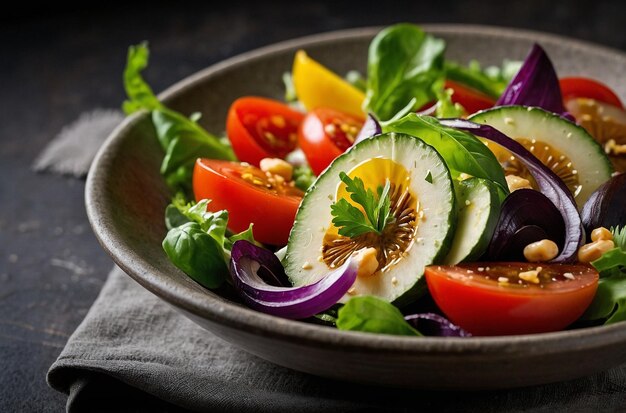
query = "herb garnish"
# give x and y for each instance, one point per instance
(350, 220)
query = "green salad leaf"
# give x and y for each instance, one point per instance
(182, 138)
(609, 302)
(403, 63)
(197, 254)
(356, 79)
(198, 242)
(350, 220)
(373, 315)
(462, 151)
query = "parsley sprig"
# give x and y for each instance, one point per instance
(350, 220)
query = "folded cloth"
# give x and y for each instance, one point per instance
(133, 352)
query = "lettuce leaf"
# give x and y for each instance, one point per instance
(403, 63)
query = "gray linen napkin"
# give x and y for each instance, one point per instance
(133, 352)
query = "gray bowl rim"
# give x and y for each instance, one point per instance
(218, 310)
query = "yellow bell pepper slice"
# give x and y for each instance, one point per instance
(316, 87)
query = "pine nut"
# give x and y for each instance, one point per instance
(594, 250)
(539, 251)
(601, 234)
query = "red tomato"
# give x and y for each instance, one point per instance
(581, 87)
(325, 134)
(471, 99)
(250, 196)
(262, 128)
(491, 299)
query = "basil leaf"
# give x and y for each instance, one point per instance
(174, 217)
(373, 315)
(403, 63)
(462, 151)
(610, 300)
(197, 254)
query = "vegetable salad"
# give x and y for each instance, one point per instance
(424, 197)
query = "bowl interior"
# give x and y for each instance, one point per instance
(126, 196)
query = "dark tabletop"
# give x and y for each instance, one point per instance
(56, 63)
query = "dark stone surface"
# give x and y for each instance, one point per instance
(57, 63)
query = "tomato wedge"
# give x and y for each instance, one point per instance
(262, 128)
(325, 134)
(250, 196)
(471, 99)
(582, 87)
(497, 298)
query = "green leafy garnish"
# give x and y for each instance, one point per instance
(403, 63)
(198, 242)
(197, 254)
(182, 138)
(373, 315)
(609, 302)
(619, 236)
(350, 220)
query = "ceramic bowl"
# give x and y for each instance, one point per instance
(126, 197)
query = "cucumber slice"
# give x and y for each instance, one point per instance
(556, 142)
(412, 166)
(479, 210)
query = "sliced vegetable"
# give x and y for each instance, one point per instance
(325, 134)
(582, 87)
(318, 87)
(493, 298)
(536, 84)
(370, 128)
(422, 205)
(373, 315)
(254, 197)
(548, 183)
(479, 209)
(606, 207)
(403, 63)
(262, 128)
(565, 148)
(430, 324)
(258, 276)
(521, 209)
(606, 123)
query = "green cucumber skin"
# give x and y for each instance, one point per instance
(466, 187)
(419, 287)
(538, 118)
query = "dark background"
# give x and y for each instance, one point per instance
(56, 62)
